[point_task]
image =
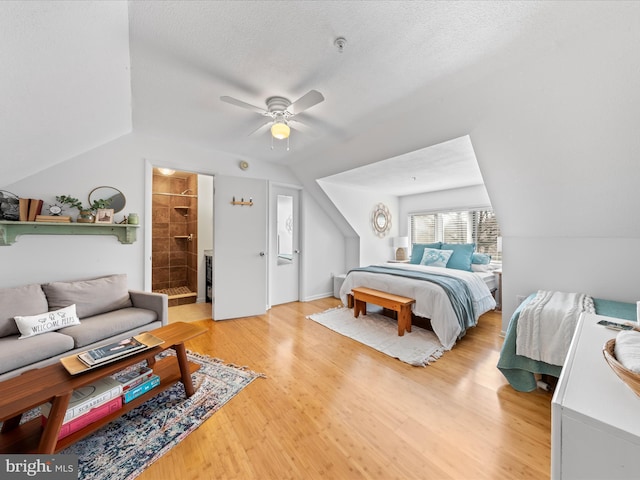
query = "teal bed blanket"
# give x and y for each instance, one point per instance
(519, 370)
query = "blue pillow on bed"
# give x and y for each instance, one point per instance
(480, 259)
(417, 250)
(434, 257)
(462, 253)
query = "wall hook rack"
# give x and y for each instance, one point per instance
(242, 202)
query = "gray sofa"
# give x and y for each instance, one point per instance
(107, 310)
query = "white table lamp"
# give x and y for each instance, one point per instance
(401, 244)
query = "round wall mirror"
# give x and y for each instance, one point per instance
(109, 193)
(381, 220)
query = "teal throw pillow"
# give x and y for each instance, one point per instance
(480, 259)
(462, 253)
(417, 249)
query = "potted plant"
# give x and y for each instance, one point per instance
(85, 214)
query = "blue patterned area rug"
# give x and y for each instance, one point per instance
(125, 447)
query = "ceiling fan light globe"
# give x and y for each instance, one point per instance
(280, 130)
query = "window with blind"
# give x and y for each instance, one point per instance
(465, 226)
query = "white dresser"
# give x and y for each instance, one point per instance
(595, 417)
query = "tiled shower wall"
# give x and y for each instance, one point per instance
(174, 259)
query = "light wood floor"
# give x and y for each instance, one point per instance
(332, 408)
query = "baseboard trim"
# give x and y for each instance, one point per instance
(317, 297)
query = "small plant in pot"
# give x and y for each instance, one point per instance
(85, 214)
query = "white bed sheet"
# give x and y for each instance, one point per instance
(431, 300)
(490, 279)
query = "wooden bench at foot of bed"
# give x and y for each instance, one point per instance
(400, 305)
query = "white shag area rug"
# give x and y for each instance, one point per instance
(419, 347)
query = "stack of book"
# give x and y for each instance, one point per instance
(88, 404)
(30, 208)
(136, 382)
(114, 350)
(53, 218)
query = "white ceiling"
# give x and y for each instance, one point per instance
(185, 55)
(443, 166)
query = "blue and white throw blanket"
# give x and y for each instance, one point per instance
(547, 323)
(452, 299)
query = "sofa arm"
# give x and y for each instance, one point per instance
(158, 302)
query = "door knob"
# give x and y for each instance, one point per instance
(296, 251)
(262, 254)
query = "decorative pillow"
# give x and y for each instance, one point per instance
(480, 268)
(461, 258)
(481, 259)
(47, 322)
(435, 258)
(92, 297)
(24, 300)
(417, 249)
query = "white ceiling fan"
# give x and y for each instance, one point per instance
(279, 112)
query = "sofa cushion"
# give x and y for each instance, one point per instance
(16, 354)
(92, 297)
(47, 322)
(102, 327)
(24, 300)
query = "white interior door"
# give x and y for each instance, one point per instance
(284, 249)
(239, 248)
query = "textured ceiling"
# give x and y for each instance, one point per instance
(185, 55)
(66, 83)
(444, 166)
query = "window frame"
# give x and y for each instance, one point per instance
(439, 228)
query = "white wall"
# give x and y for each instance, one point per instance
(357, 206)
(323, 250)
(123, 164)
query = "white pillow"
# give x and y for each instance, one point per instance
(47, 322)
(434, 257)
(480, 268)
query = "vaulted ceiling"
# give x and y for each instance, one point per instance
(79, 74)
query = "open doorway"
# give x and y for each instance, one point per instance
(182, 233)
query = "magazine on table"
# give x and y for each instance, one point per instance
(113, 350)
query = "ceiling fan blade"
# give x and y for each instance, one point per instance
(264, 126)
(240, 103)
(308, 100)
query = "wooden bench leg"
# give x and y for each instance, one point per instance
(360, 306)
(404, 319)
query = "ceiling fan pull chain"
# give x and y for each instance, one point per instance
(271, 142)
(287, 144)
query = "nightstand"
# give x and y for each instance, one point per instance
(498, 273)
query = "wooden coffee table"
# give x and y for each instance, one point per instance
(54, 384)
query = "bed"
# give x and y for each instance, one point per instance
(450, 317)
(520, 371)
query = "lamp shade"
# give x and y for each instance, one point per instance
(280, 130)
(400, 242)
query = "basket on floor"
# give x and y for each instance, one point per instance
(629, 377)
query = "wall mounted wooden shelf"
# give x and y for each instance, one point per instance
(10, 230)
(242, 203)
